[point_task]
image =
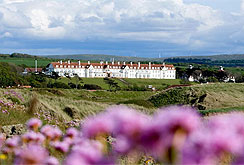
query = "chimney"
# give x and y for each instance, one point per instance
(61, 62)
(106, 62)
(79, 62)
(131, 63)
(164, 64)
(68, 61)
(88, 62)
(101, 62)
(139, 64)
(124, 63)
(112, 62)
(35, 65)
(150, 64)
(118, 63)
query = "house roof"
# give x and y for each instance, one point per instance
(111, 65)
(33, 69)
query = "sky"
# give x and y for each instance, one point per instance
(142, 28)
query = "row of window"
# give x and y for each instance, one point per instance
(100, 67)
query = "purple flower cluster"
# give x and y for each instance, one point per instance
(14, 94)
(7, 107)
(173, 135)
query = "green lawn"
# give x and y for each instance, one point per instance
(159, 84)
(26, 61)
(221, 110)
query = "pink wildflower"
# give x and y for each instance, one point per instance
(34, 124)
(32, 154)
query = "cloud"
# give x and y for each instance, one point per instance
(81, 19)
(166, 21)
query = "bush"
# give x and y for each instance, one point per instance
(72, 85)
(92, 87)
(60, 85)
(143, 103)
(14, 100)
(135, 87)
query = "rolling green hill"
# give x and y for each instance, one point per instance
(98, 57)
(203, 97)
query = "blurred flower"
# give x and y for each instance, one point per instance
(61, 146)
(33, 137)
(32, 154)
(34, 124)
(13, 142)
(98, 125)
(2, 139)
(72, 132)
(52, 133)
(127, 122)
(88, 152)
(51, 161)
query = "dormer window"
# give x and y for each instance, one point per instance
(56, 66)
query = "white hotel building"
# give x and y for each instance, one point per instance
(118, 70)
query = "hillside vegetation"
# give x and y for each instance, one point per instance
(62, 106)
(203, 97)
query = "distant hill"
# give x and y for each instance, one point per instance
(19, 55)
(222, 57)
(99, 57)
(217, 60)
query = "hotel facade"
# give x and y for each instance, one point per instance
(113, 69)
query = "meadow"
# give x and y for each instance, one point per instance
(29, 62)
(159, 84)
(70, 109)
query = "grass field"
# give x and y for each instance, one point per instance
(221, 110)
(26, 61)
(158, 84)
(221, 98)
(54, 101)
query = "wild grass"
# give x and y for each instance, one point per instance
(26, 61)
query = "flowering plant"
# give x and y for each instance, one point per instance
(173, 135)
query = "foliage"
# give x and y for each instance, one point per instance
(112, 84)
(60, 85)
(173, 135)
(143, 103)
(92, 87)
(9, 75)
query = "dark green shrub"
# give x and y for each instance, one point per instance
(60, 85)
(14, 100)
(92, 87)
(143, 103)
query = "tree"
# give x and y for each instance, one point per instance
(112, 84)
(55, 76)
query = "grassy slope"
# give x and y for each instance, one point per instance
(140, 82)
(158, 83)
(54, 101)
(26, 61)
(219, 96)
